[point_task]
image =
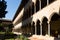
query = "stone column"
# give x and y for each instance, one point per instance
(47, 2)
(41, 28)
(40, 4)
(48, 27)
(31, 27)
(35, 29)
(35, 22)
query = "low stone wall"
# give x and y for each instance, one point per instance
(40, 37)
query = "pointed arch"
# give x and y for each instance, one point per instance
(44, 18)
(55, 24)
(38, 21)
(55, 13)
(44, 26)
(38, 27)
(54, 16)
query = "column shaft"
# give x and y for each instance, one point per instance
(48, 28)
(35, 22)
(41, 28)
(40, 4)
(47, 2)
(35, 29)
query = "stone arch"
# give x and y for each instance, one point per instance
(43, 18)
(55, 16)
(55, 24)
(38, 26)
(52, 15)
(44, 26)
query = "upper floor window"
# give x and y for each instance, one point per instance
(29, 11)
(32, 8)
(43, 3)
(50, 1)
(37, 5)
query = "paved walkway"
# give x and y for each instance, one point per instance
(40, 37)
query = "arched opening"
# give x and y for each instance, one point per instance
(33, 28)
(55, 25)
(38, 27)
(44, 26)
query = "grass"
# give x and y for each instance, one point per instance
(9, 39)
(6, 32)
(21, 37)
(2, 32)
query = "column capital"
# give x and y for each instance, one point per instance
(35, 22)
(48, 22)
(41, 22)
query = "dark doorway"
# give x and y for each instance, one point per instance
(33, 28)
(55, 25)
(38, 27)
(44, 26)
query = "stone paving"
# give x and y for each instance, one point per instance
(40, 37)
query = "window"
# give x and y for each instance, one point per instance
(29, 13)
(32, 8)
(37, 5)
(50, 1)
(43, 3)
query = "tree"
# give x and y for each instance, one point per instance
(3, 7)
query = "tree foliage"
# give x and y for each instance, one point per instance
(3, 7)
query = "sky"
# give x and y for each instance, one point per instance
(12, 6)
